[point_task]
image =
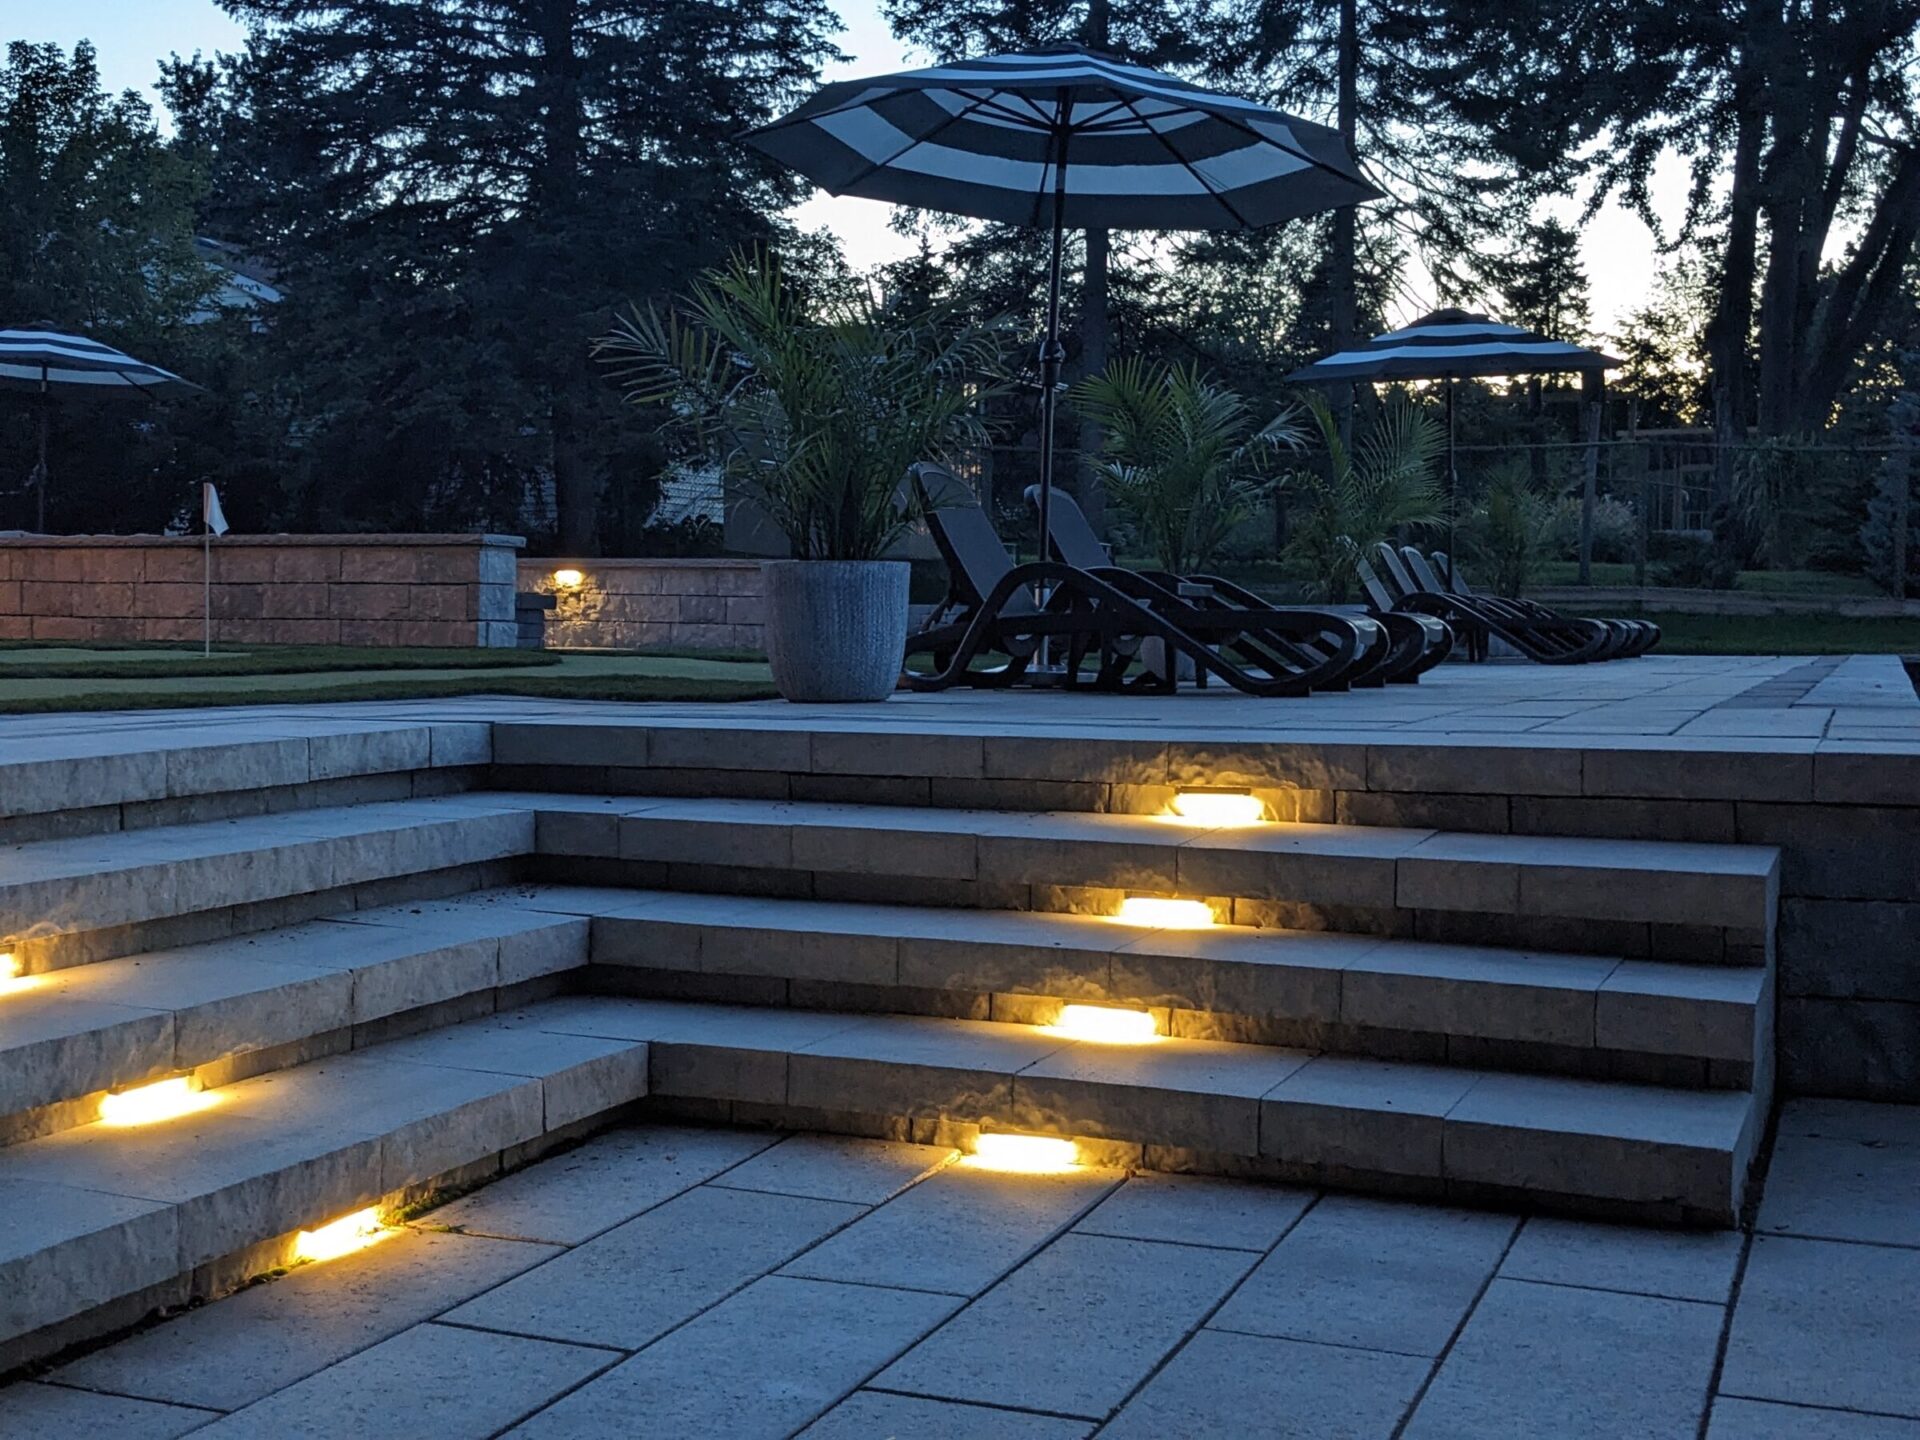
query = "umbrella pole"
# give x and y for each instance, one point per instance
(1052, 354)
(40, 470)
(1453, 486)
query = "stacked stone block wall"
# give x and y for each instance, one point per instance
(379, 590)
(634, 604)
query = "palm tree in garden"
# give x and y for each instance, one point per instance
(1369, 491)
(1181, 456)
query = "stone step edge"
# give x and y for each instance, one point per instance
(107, 882)
(1227, 973)
(1683, 1154)
(1654, 881)
(503, 947)
(84, 1237)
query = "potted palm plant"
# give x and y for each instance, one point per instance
(1181, 457)
(817, 409)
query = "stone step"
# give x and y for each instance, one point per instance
(108, 1218)
(1677, 1023)
(1608, 1148)
(922, 854)
(53, 892)
(69, 1035)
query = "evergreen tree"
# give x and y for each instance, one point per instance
(457, 194)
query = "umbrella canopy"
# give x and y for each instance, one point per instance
(1449, 344)
(47, 360)
(1066, 136)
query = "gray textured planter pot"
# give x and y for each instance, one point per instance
(836, 629)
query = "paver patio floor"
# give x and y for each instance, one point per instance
(675, 1281)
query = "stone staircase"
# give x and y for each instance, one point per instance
(371, 1001)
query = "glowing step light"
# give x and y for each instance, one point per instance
(569, 579)
(150, 1104)
(1219, 807)
(341, 1237)
(1164, 914)
(1023, 1154)
(11, 980)
(1106, 1025)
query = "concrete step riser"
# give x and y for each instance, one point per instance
(102, 1214)
(1559, 1014)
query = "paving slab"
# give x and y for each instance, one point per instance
(1371, 1274)
(54, 1412)
(832, 1167)
(957, 1231)
(1074, 1330)
(1197, 1210)
(763, 1364)
(1821, 1323)
(867, 1414)
(1231, 1387)
(1735, 1419)
(639, 1280)
(457, 1384)
(1677, 1264)
(571, 1197)
(255, 1342)
(1540, 1360)
(1843, 1187)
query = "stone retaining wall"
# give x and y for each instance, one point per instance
(632, 604)
(442, 590)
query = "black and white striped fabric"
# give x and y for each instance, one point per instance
(1066, 136)
(1453, 343)
(49, 360)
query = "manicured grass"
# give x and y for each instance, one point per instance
(1752, 582)
(20, 660)
(1785, 634)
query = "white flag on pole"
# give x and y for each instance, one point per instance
(210, 510)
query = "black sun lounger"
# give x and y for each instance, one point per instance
(991, 609)
(1637, 636)
(1399, 647)
(1556, 641)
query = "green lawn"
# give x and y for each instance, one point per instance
(49, 678)
(1783, 634)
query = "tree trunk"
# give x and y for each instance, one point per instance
(1343, 286)
(1732, 318)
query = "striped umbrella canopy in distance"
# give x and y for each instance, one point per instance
(1065, 136)
(51, 363)
(1449, 345)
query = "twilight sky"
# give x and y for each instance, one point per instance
(133, 35)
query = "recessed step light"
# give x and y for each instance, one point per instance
(1023, 1154)
(1106, 1025)
(1164, 914)
(150, 1104)
(341, 1237)
(1219, 807)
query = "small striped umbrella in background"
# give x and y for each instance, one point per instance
(53, 364)
(1447, 345)
(1065, 136)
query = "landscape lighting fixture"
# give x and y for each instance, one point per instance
(1106, 1025)
(341, 1237)
(1023, 1154)
(150, 1104)
(1162, 914)
(569, 579)
(1219, 807)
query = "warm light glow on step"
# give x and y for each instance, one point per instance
(1164, 914)
(1106, 1025)
(1219, 807)
(569, 579)
(150, 1104)
(341, 1237)
(11, 980)
(1023, 1154)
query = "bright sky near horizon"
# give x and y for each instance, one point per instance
(132, 36)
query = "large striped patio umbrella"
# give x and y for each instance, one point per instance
(1062, 137)
(51, 363)
(1447, 345)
